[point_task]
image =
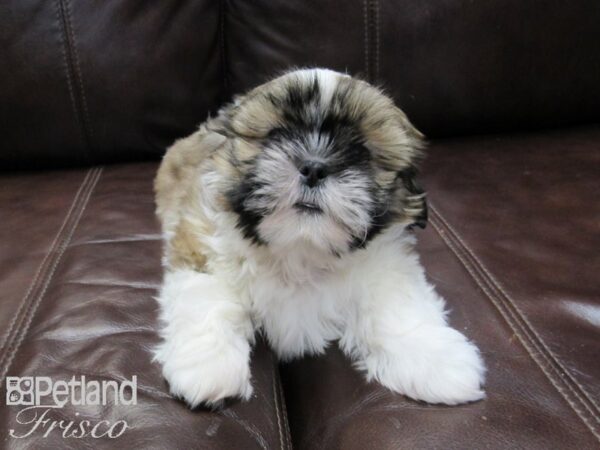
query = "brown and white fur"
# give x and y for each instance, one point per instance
(290, 213)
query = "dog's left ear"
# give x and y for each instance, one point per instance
(414, 205)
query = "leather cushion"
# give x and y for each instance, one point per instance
(512, 245)
(90, 311)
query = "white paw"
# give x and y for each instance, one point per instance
(433, 364)
(206, 374)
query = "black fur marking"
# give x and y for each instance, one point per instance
(299, 95)
(294, 106)
(381, 218)
(333, 124)
(345, 147)
(303, 115)
(354, 155)
(248, 220)
(409, 179)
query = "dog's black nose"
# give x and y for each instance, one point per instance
(313, 172)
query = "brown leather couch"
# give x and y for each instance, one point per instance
(508, 92)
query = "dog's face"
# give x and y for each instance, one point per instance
(317, 158)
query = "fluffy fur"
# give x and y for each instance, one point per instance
(289, 213)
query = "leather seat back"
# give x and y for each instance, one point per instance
(93, 82)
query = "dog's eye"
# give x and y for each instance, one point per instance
(357, 154)
(354, 156)
(276, 132)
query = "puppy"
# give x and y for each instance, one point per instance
(290, 212)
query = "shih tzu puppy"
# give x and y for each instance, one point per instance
(290, 213)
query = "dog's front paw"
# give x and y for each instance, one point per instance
(433, 364)
(202, 375)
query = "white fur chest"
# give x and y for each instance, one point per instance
(298, 300)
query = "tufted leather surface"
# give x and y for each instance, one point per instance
(512, 245)
(78, 286)
(90, 311)
(455, 67)
(85, 82)
(533, 242)
(88, 82)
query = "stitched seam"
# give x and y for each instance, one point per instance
(366, 38)
(249, 428)
(222, 17)
(276, 402)
(31, 310)
(506, 315)
(67, 65)
(71, 62)
(41, 268)
(371, 19)
(86, 118)
(522, 320)
(376, 20)
(285, 413)
(501, 309)
(519, 314)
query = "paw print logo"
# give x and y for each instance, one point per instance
(19, 391)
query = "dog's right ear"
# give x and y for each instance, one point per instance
(175, 175)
